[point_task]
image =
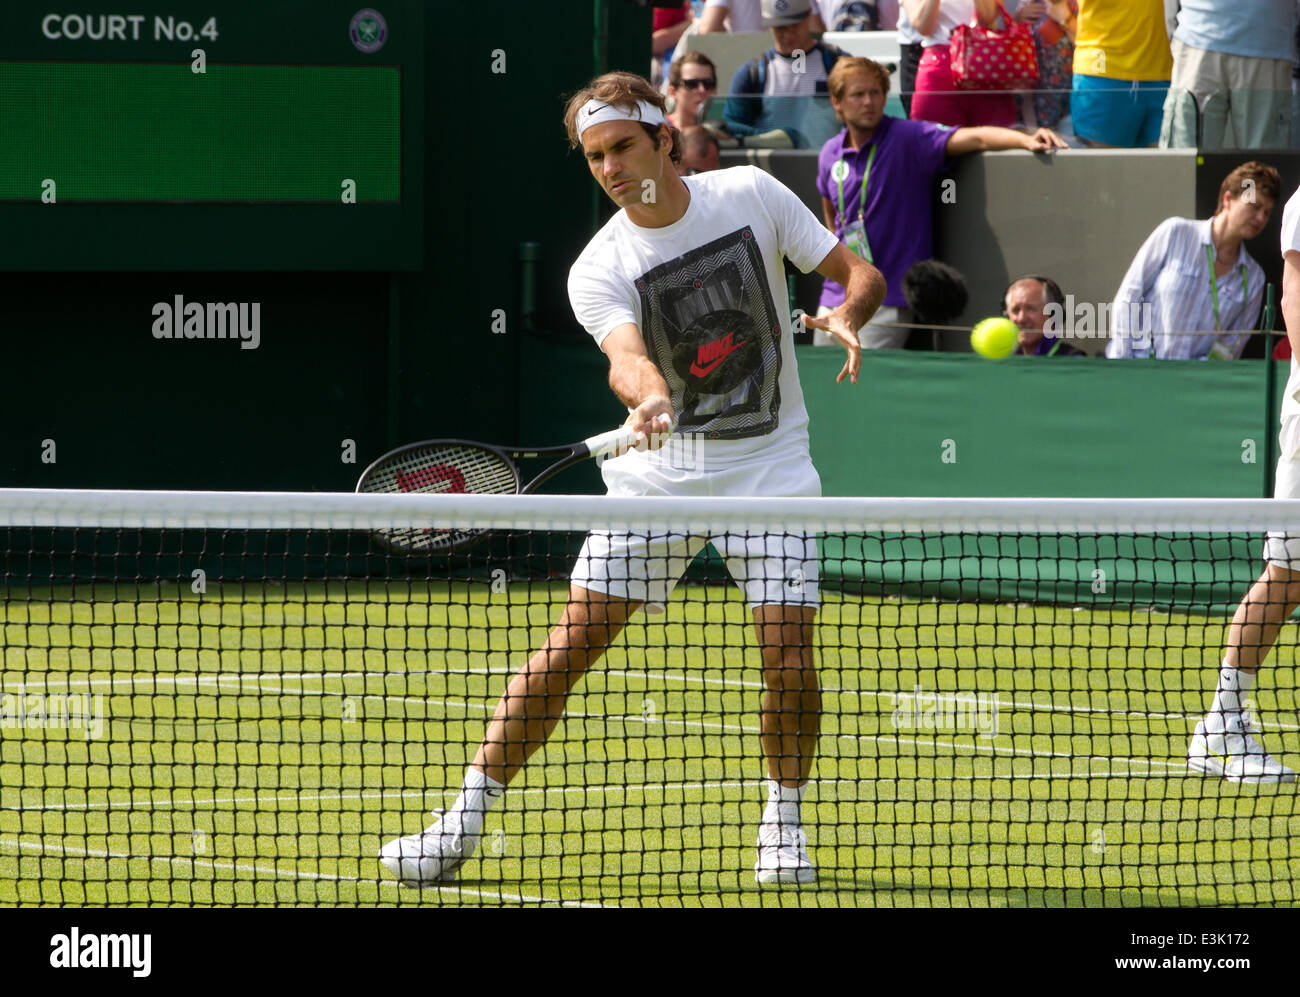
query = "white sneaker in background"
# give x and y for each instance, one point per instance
(1234, 753)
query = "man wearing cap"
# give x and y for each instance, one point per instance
(784, 89)
(684, 290)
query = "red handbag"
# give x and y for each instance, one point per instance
(988, 59)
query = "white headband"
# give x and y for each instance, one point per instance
(595, 112)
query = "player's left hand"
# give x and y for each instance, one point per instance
(1045, 140)
(838, 325)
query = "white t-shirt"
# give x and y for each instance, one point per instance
(708, 294)
(742, 15)
(1290, 241)
(831, 11)
(794, 75)
(907, 35)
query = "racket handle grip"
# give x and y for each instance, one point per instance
(616, 442)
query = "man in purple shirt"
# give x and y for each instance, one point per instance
(876, 179)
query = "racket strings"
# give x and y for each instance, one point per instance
(441, 469)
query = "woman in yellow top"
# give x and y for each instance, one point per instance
(1122, 65)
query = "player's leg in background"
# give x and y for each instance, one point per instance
(1259, 619)
(533, 702)
(1224, 743)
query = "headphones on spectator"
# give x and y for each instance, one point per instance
(1050, 288)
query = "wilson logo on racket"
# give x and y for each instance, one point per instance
(712, 354)
(438, 477)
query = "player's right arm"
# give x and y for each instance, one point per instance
(637, 382)
(1291, 298)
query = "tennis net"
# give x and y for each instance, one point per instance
(238, 699)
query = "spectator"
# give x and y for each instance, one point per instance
(910, 50)
(877, 178)
(700, 152)
(667, 28)
(692, 85)
(855, 15)
(1054, 36)
(785, 88)
(1121, 73)
(935, 294)
(1230, 69)
(730, 15)
(936, 98)
(1196, 276)
(1026, 302)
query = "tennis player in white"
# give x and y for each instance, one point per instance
(684, 290)
(1224, 743)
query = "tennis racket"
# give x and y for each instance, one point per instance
(467, 468)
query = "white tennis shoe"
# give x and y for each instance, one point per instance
(1235, 754)
(783, 855)
(432, 856)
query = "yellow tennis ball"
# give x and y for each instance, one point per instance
(994, 337)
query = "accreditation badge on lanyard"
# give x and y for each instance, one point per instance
(855, 231)
(1225, 347)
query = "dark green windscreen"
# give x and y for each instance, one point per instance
(147, 132)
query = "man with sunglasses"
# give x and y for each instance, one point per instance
(692, 84)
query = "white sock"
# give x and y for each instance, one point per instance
(478, 795)
(1234, 684)
(783, 803)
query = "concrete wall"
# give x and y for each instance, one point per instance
(1075, 216)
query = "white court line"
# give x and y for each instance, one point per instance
(256, 679)
(630, 789)
(1015, 704)
(702, 724)
(705, 680)
(740, 729)
(283, 873)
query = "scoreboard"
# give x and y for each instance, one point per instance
(226, 135)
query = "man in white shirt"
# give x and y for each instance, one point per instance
(684, 290)
(1224, 742)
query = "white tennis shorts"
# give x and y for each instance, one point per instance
(645, 567)
(1283, 549)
